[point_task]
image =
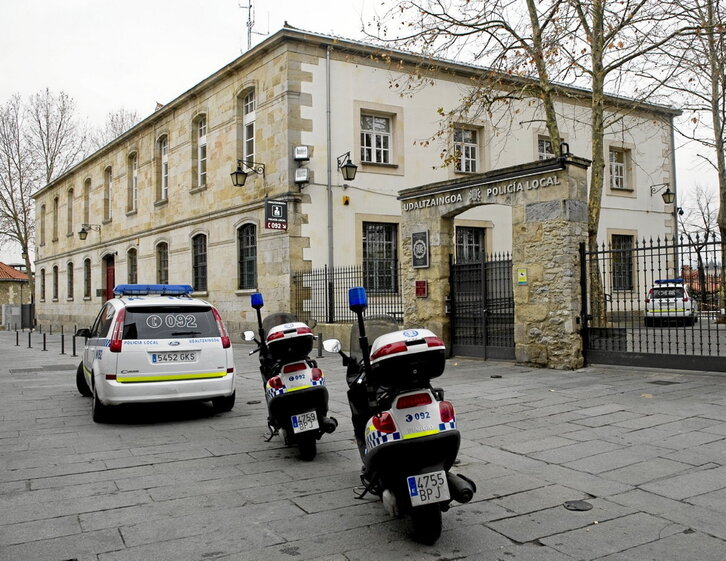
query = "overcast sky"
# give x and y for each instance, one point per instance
(134, 53)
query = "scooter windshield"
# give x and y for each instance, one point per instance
(376, 326)
(279, 318)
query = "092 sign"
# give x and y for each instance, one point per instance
(276, 215)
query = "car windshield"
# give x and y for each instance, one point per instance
(668, 292)
(167, 322)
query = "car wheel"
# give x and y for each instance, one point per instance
(648, 322)
(99, 411)
(223, 404)
(81, 384)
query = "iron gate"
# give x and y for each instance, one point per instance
(482, 308)
(617, 280)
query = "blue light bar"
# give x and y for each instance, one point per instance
(256, 300)
(357, 298)
(669, 281)
(161, 289)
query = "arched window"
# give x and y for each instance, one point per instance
(199, 263)
(162, 170)
(56, 204)
(247, 261)
(133, 182)
(42, 285)
(42, 224)
(69, 213)
(199, 148)
(107, 190)
(132, 266)
(55, 282)
(246, 107)
(69, 279)
(87, 201)
(162, 263)
(87, 278)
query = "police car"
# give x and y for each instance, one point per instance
(669, 299)
(155, 343)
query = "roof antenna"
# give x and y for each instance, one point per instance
(251, 23)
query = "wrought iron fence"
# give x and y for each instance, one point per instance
(322, 294)
(620, 283)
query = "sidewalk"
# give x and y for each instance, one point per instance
(646, 448)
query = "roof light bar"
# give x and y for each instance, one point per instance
(144, 289)
(669, 281)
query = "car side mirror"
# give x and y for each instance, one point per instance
(332, 345)
(83, 332)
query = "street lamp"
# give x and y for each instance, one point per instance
(85, 228)
(346, 167)
(239, 176)
(669, 197)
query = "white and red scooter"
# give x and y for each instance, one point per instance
(406, 432)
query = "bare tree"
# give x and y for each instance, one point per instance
(18, 179)
(117, 123)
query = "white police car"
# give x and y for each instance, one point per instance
(153, 343)
(669, 299)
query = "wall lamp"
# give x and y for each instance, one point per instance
(85, 228)
(239, 176)
(346, 167)
(669, 197)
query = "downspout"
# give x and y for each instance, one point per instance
(676, 269)
(329, 189)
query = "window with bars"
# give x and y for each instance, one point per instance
(42, 285)
(133, 176)
(55, 282)
(87, 201)
(622, 261)
(199, 263)
(87, 278)
(162, 263)
(619, 169)
(132, 266)
(69, 281)
(247, 261)
(466, 149)
(43, 218)
(469, 244)
(56, 205)
(375, 139)
(107, 192)
(69, 213)
(380, 257)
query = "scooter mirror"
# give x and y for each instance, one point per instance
(256, 300)
(249, 335)
(312, 323)
(332, 345)
(357, 299)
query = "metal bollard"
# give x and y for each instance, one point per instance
(63, 343)
(74, 346)
(17, 338)
(320, 345)
(30, 345)
(44, 347)
(50, 329)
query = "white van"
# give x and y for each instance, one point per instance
(154, 343)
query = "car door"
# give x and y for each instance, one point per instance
(97, 341)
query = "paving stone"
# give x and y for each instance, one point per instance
(616, 459)
(690, 484)
(677, 547)
(572, 452)
(649, 470)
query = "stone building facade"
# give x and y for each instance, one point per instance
(157, 204)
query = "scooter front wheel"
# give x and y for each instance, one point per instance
(426, 521)
(308, 447)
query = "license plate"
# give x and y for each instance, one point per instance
(304, 422)
(158, 358)
(428, 488)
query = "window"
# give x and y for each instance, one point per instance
(380, 257)
(56, 204)
(87, 278)
(42, 285)
(619, 169)
(69, 279)
(162, 263)
(133, 176)
(247, 263)
(42, 224)
(466, 149)
(199, 263)
(622, 262)
(248, 120)
(55, 283)
(87, 201)
(107, 189)
(469, 244)
(200, 151)
(544, 148)
(163, 193)
(375, 139)
(132, 266)
(69, 213)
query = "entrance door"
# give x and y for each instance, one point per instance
(482, 308)
(110, 276)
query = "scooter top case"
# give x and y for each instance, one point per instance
(406, 358)
(290, 341)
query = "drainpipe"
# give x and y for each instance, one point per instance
(329, 189)
(675, 202)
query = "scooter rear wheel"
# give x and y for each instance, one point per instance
(426, 523)
(308, 447)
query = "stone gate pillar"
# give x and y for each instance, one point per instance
(549, 220)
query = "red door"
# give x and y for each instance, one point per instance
(110, 276)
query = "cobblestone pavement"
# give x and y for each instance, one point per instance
(646, 448)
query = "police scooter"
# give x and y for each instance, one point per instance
(297, 399)
(405, 430)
